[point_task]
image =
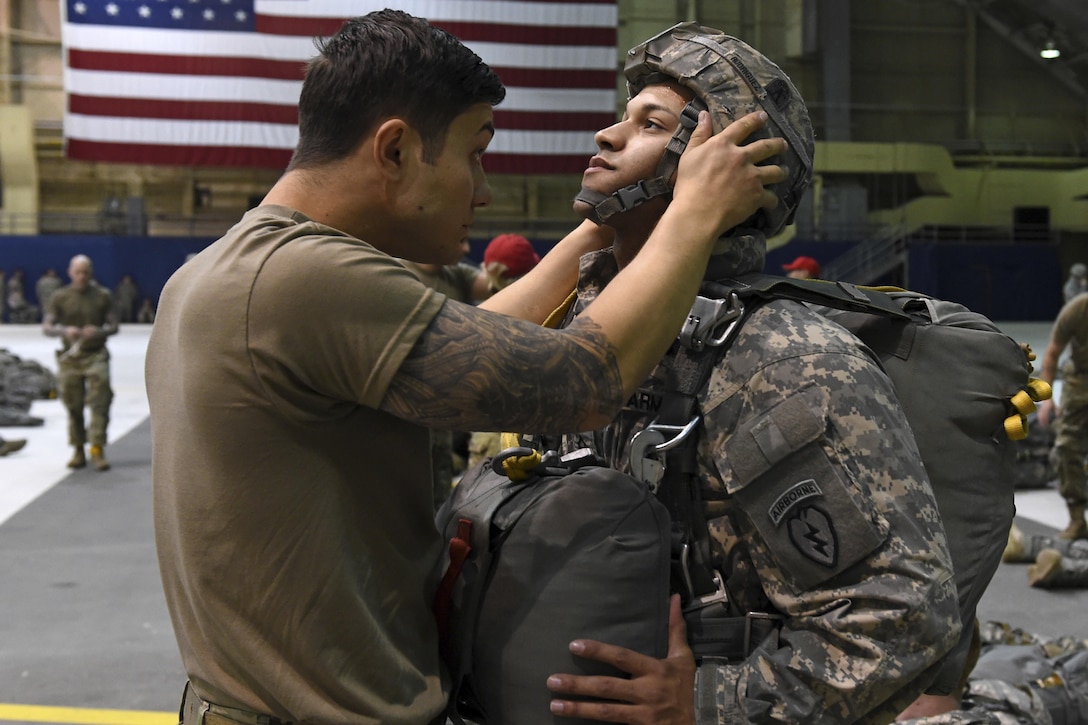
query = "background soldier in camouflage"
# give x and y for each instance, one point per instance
(1022, 679)
(802, 433)
(82, 315)
(1071, 442)
(11, 446)
(1055, 563)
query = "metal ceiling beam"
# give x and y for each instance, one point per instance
(1058, 70)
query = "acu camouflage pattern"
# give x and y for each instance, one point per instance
(1057, 696)
(798, 409)
(1071, 437)
(1071, 440)
(714, 65)
(83, 371)
(21, 383)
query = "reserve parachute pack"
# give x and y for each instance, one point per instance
(541, 551)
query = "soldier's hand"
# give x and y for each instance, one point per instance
(659, 692)
(725, 178)
(73, 334)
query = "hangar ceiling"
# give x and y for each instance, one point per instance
(1030, 25)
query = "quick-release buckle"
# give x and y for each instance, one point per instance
(752, 616)
(711, 321)
(633, 195)
(718, 596)
(647, 464)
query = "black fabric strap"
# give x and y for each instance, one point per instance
(679, 489)
(840, 295)
(728, 638)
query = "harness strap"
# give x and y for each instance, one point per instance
(729, 638)
(840, 295)
(693, 566)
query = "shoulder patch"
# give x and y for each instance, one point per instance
(813, 533)
(798, 492)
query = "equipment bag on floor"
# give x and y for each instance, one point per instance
(569, 550)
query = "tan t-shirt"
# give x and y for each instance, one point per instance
(293, 519)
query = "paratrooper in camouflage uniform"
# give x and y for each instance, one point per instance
(82, 315)
(1071, 443)
(819, 511)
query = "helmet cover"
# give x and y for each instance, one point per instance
(733, 79)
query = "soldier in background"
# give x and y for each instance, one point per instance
(802, 268)
(1077, 282)
(507, 258)
(10, 446)
(146, 314)
(1070, 330)
(1022, 678)
(124, 298)
(1055, 562)
(46, 285)
(81, 315)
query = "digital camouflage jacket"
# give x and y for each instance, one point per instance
(818, 510)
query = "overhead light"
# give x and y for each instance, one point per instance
(1050, 51)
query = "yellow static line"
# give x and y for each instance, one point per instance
(84, 716)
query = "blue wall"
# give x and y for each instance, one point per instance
(1004, 282)
(149, 260)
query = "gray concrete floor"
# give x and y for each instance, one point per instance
(83, 623)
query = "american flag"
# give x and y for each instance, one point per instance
(216, 82)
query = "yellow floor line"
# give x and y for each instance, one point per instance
(84, 716)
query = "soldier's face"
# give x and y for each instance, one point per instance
(80, 274)
(630, 150)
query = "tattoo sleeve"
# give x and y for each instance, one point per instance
(477, 370)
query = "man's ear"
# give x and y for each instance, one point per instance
(394, 146)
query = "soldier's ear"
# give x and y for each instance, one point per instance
(397, 148)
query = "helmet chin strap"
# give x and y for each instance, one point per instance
(604, 207)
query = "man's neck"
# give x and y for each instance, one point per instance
(632, 229)
(625, 247)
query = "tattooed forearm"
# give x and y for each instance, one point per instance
(476, 370)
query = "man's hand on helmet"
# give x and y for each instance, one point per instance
(725, 162)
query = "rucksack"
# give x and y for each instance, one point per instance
(964, 386)
(523, 555)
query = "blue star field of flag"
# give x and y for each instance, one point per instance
(235, 15)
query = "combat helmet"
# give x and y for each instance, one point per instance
(729, 79)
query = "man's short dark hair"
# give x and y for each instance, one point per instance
(383, 64)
